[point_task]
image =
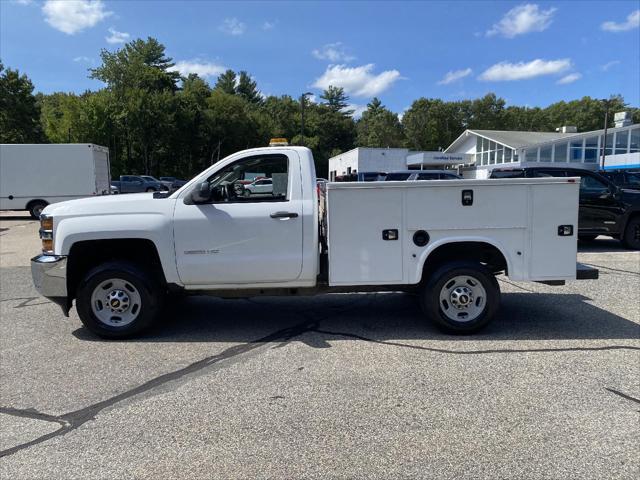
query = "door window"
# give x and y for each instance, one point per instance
(260, 178)
(593, 186)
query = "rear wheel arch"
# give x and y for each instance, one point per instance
(480, 251)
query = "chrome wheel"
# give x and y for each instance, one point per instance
(463, 298)
(116, 302)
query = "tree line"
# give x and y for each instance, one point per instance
(157, 122)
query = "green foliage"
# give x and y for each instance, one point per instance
(379, 127)
(155, 121)
(19, 109)
(336, 100)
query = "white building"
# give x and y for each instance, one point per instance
(365, 159)
(476, 152)
(494, 149)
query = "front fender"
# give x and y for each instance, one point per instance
(154, 227)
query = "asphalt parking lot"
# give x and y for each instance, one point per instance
(336, 386)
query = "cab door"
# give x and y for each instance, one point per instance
(237, 238)
(599, 207)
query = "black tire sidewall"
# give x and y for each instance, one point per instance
(149, 294)
(430, 296)
(629, 241)
(32, 208)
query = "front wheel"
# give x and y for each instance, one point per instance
(118, 300)
(151, 189)
(631, 238)
(461, 297)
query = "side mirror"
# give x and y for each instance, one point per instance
(202, 193)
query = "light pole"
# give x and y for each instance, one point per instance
(302, 102)
(604, 137)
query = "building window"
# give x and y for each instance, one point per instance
(576, 151)
(492, 157)
(560, 154)
(609, 145)
(485, 158)
(622, 142)
(545, 154)
(499, 154)
(591, 150)
(634, 145)
(507, 155)
(531, 155)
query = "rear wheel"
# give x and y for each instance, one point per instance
(35, 208)
(461, 297)
(631, 238)
(118, 299)
(151, 189)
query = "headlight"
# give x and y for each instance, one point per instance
(46, 233)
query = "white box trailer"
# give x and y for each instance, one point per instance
(33, 176)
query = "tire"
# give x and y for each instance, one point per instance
(144, 298)
(586, 237)
(247, 193)
(470, 285)
(35, 208)
(150, 189)
(631, 237)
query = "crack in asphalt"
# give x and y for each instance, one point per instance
(476, 352)
(623, 395)
(624, 272)
(73, 420)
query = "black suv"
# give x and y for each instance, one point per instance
(624, 178)
(605, 209)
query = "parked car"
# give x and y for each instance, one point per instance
(371, 176)
(605, 209)
(173, 183)
(629, 179)
(138, 183)
(411, 175)
(259, 186)
(445, 247)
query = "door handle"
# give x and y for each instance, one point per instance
(284, 215)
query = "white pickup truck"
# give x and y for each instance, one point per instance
(121, 256)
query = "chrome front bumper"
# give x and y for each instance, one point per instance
(49, 273)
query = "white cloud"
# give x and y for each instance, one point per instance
(200, 67)
(117, 37)
(453, 76)
(233, 26)
(268, 25)
(522, 19)
(357, 81)
(334, 52)
(572, 77)
(504, 71)
(358, 109)
(608, 65)
(73, 16)
(633, 21)
(84, 59)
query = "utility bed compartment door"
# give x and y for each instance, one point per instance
(358, 253)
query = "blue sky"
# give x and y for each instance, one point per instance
(530, 53)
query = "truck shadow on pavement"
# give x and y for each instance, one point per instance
(377, 317)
